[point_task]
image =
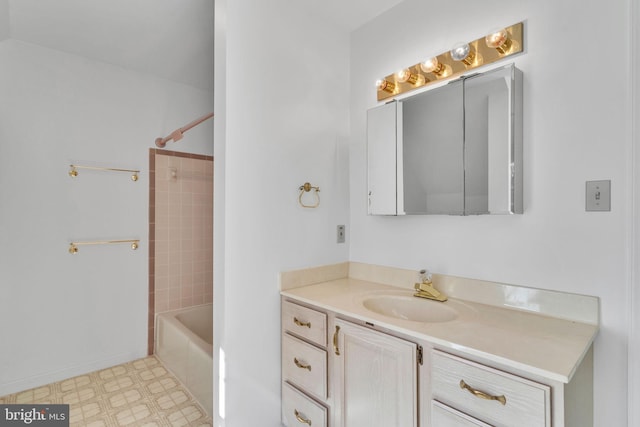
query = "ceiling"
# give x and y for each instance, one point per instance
(172, 39)
(349, 14)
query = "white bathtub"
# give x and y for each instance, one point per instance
(184, 343)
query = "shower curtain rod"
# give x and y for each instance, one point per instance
(176, 135)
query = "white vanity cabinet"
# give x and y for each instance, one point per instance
(375, 376)
(344, 368)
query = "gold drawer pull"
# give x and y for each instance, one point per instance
(481, 394)
(299, 323)
(300, 418)
(301, 365)
(335, 341)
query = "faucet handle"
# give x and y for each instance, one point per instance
(424, 276)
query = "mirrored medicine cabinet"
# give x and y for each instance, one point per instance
(453, 150)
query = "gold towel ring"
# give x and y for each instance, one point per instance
(305, 188)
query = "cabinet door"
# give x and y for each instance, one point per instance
(375, 378)
(492, 142)
(382, 146)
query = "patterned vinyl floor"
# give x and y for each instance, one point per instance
(138, 393)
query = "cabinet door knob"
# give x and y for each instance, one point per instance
(336, 350)
(301, 365)
(300, 418)
(482, 394)
(303, 324)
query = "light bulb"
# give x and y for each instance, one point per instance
(499, 40)
(463, 52)
(460, 51)
(405, 75)
(385, 85)
(432, 65)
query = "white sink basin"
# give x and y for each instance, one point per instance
(410, 308)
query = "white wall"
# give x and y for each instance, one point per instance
(286, 123)
(634, 285)
(64, 315)
(219, 196)
(5, 28)
(576, 128)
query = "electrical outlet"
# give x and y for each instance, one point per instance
(340, 234)
(598, 196)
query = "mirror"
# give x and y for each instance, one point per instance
(454, 150)
(432, 155)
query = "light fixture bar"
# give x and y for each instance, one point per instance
(493, 47)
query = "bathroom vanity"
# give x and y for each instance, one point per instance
(358, 351)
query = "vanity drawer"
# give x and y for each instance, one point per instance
(527, 404)
(300, 410)
(304, 365)
(305, 322)
(444, 416)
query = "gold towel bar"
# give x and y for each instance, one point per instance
(73, 246)
(74, 170)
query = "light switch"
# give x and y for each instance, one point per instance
(598, 196)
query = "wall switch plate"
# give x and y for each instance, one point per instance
(598, 196)
(340, 234)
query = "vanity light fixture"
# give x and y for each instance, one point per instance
(493, 46)
(499, 40)
(432, 65)
(386, 85)
(464, 53)
(406, 76)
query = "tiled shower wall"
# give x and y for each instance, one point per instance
(180, 232)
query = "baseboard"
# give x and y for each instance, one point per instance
(66, 373)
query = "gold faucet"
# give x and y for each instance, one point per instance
(425, 288)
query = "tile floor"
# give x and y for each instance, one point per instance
(138, 393)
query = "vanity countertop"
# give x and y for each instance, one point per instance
(537, 344)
